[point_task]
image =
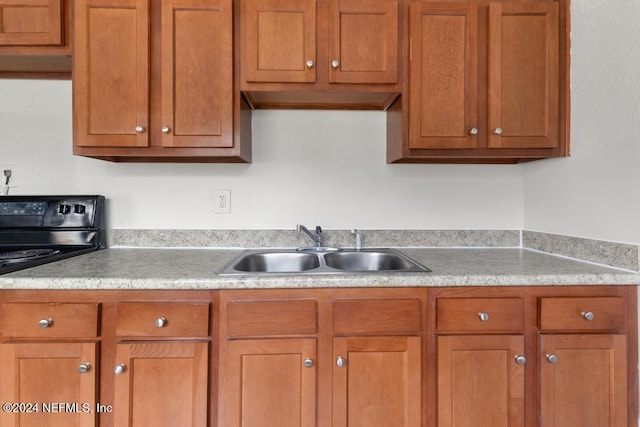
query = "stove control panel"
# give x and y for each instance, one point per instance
(50, 211)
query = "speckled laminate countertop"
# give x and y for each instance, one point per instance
(138, 268)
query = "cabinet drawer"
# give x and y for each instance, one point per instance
(480, 314)
(589, 313)
(377, 317)
(271, 318)
(49, 320)
(146, 319)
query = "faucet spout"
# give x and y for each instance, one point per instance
(317, 237)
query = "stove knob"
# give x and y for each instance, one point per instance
(79, 209)
(64, 209)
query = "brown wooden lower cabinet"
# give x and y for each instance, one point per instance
(161, 384)
(546, 356)
(481, 381)
(48, 384)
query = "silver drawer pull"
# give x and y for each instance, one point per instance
(161, 322)
(587, 315)
(483, 316)
(340, 362)
(308, 362)
(83, 368)
(119, 369)
(552, 358)
(520, 360)
(45, 323)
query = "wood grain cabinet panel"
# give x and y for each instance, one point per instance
(161, 384)
(363, 41)
(279, 40)
(488, 83)
(480, 381)
(321, 54)
(111, 90)
(377, 381)
(31, 22)
(583, 380)
(154, 81)
(270, 383)
(49, 320)
(149, 319)
(45, 378)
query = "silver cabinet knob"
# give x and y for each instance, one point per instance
(483, 316)
(340, 362)
(473, 131)
(310, 63)
(552, 358)
(140, 129)
(520, 360)
(84, 367)
(161, 322)
(165, 129)
(119, 369)
(45, 323)
(308, 362)
(335, 63)
(497, 131)
(587, 315)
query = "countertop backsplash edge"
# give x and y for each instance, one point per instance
(619, 255)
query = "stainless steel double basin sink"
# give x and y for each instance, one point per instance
(321, 260)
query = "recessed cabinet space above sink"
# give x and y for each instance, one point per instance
(321, 261)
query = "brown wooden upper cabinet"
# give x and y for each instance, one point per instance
(153, 81)
(31, 23)
(320, 53)
(488, 82)
(35, 39)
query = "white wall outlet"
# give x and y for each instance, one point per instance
(222, 202)
(13, 179)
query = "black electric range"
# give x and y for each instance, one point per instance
(37, 230)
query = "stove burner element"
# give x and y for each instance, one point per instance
(26, 255)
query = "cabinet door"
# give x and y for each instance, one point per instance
(161, 384)
(583, 380)
(377, 382)
(269, 383)
(47, 376)
(279, 40)
(197, 73)
(480, 381)
(443, 76)
(31, 22)
(363, 41)
(523, 75)
(111, 73)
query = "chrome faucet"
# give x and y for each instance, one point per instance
(358, 235)
(317, 237)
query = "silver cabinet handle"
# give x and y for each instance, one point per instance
(310, 63)
(520, 360)
(483, 316)
(473, 131)
(308, 362)
(161, 322)
(587, 315)
(119, 369)
(497, 131)
(140, 129)
(552, 358)
(84, 367)
(45, 323)
(335, 63)
(340, 362)
(165, 129)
